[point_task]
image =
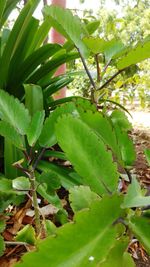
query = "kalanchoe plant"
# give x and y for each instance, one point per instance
(99, 151)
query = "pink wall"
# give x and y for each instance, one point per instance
(55, 37)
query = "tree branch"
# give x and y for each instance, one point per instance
(111, 78)
(98, 68)
(89, 75)
(38, 158)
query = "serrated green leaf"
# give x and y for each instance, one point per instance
(33, 98)
(92, 26)
(147, 154)
(48, 137)
(119, 117)
(109, 48)
(51, 198)
(117, 257)
(91, 236)
(21, 183)
(125, 144)
(51, 180)
(27, 234)
(81, 197)
(134, 196)
(50, 227)
(64, 174)
(128, 260)
(9, 132)
(5, 185)
(141, 229)
(35, 127)
(2, 246)
(18, 116)
(7, 195)
(135, 55)
(68, 25)
(126, 147)
(103, 127)
(77, 136)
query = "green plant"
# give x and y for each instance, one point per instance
(100, 152)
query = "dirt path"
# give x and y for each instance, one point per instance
(141, 121)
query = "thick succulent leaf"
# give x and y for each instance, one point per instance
(50, 227)
(33, 98)
(9, 132)
(103, 127)
(52, 199)
(21, 183)
(14, 112)
(90, 237)
(141, 229)
(118, 117)
(134, 197)
(88, 154)
(27, 235)
(147, 154)
(68, 25)
(17, 32)
(126, 147)
(121, 127)
(81, 197)
(117, 257)
(128, 260)
(135, 55)
(35, 127)
(2, 246)
(92, 26)
(109, 48)
(7, 194)
(51, 180)
(48, 136)
(67, 179)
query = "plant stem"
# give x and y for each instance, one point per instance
(93, 88)
(14, 243)
(129, 175)
(35, 200)
(98, 68)
(38, 158)
(111, 78)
